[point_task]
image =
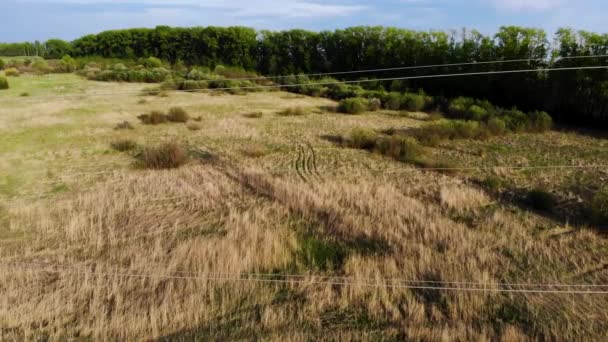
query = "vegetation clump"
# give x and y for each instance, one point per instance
(164, 156)
(253, 115)
(3, 83)
(11, 72)
(293, 111)
(194, 126)
(353, 105)
(155, 117)
(178, 114)
(404, 149)
(599, 207)
(123, 145)
(124, 125)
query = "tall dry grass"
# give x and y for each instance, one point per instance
(220, 218)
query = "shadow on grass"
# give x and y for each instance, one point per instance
(549, 205)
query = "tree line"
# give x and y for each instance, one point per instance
(578, 96)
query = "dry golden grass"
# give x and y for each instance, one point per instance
(285, 213)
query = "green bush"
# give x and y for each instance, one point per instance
(374, 104)
(470, 109)
(164, 156)
(405, 149)
(516, 120)
(353, 105)
(392, 101)
(11, 72)
(497, 126)
(41, 66)
(3, 83)
(152, 62)
(178, 114)
(124, 145)
(540, 121)
(412, 102)
(477, 113)
(599, 207)
(2, 64)
(466, 129)
(540, 199)
(363, 138)
(68, 64)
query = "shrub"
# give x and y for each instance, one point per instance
(294, 111)
(24, 94)
(124, 125)
(477, 113)
(152, 62)
(466, 129)
(123, 145)
(540, 121)
(405, 149)
(41, 66)
(3, 83)
(154, 118)
(253, 115)
(392, 101)
(497, 126)
(412, 102)
(353, 105)
(516, 120)
(599, 206)
(540, 199)
(2, 64)
(194, 127)
(11, 72)
(178, 114)
(68, 64)
(374, 104)
(165, 156)
(363, 138)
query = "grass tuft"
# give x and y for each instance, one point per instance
(293, 111)
(123, 145)
(178, 114)
(154, 118)
(253, 115)
(124, 125)
(165, 156)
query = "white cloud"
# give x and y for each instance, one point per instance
(529, 5)
(235, 8)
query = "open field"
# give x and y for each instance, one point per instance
(175, 254)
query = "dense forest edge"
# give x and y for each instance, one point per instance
(571, 97)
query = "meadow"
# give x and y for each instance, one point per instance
(278, 225)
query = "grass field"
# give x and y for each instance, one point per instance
(265, 193)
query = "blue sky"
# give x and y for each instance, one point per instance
(68, 19)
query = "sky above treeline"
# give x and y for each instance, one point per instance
(28, 20)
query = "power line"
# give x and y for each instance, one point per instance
(332, 281)
(277, 275)
(279, 86)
